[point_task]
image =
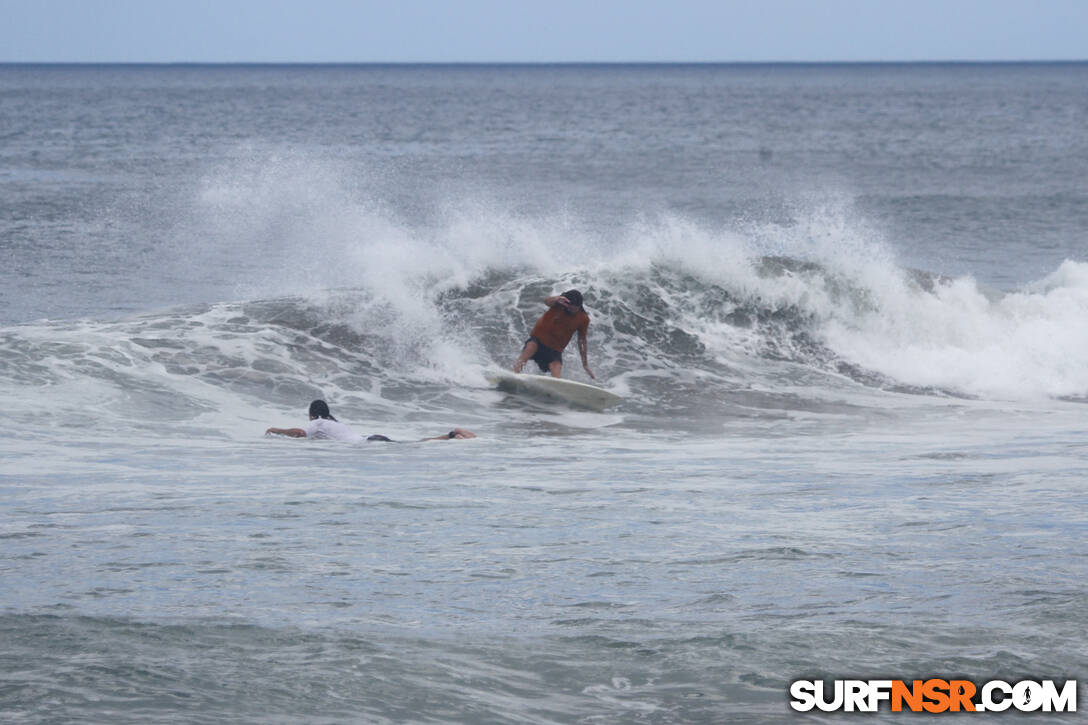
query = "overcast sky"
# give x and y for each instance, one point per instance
(540, 30)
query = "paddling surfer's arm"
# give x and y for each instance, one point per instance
(456, 434)
(291, 432)
(583, 350)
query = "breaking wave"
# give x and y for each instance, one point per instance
(400, 320)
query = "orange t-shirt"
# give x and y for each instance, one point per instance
(555, 327)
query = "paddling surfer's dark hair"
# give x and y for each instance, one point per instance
(574, 297)
(320, 409)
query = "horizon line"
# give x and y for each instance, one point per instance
(1034, 61)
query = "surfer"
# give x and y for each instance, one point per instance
(553, 331)
(323, 425)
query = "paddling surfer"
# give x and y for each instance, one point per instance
(553, 331)
(324, 426)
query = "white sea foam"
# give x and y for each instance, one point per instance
(1022, 344)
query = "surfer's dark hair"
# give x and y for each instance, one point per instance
(320, 409)
(574, 297)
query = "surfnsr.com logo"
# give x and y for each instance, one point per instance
(933, 695)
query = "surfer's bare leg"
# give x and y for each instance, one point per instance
(555, 368)
(526, 352)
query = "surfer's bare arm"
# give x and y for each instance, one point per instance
(554, 299)
(583, 350)
(454, 435)
(290, 432)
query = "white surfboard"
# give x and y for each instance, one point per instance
(558, 389)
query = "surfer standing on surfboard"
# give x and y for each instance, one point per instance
(553, 331)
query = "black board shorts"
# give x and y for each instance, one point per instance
(544, 356)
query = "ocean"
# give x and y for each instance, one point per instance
(845, 306)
